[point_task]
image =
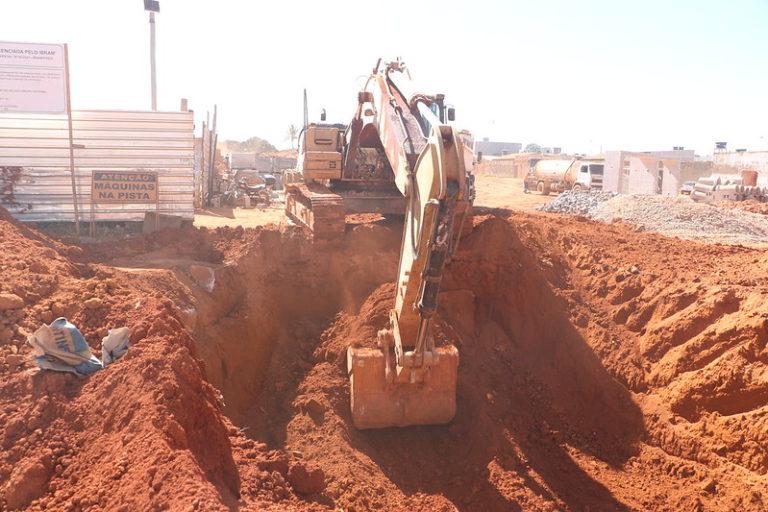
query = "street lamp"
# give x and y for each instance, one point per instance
(152, 6)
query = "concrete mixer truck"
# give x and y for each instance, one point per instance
(548, 176)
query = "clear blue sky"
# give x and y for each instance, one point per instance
(581, 75)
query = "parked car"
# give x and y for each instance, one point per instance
(687, 187)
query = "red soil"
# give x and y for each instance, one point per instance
(601, 369)
(748, 206)
(147, 432)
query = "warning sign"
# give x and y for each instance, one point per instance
(124, 187)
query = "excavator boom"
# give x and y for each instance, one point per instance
(407, 380)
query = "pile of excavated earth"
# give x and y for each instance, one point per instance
(601, 368)
(679, 216)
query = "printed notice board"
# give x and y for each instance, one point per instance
(124, 187)
(33, 78)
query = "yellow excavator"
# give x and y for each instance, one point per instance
(396, 156)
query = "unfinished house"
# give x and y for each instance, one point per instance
(652, 172)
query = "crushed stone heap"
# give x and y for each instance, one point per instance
(669, 215)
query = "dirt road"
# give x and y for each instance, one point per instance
(492, 192)
(495, 192)
(250, 217)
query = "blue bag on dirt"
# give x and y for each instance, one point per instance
(60, 346)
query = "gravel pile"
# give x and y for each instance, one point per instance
(577, 203)
(670, 215)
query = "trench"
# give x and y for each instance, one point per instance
(273, 330)
(257, 328)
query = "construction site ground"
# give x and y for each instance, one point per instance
(492, 192)
(602, 368)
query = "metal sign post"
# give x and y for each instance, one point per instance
(212, 157)
(152, 58)
(71, 143)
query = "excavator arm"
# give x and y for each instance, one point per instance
(406, 380)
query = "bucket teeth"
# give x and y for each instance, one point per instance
(377, 403)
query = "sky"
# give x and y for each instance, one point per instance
(585, 76)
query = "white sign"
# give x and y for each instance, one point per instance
(32, 78)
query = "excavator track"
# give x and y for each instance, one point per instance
(317, 208)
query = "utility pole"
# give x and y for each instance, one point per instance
(152, 6)
(152, 58)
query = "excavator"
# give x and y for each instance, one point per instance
(396, 156)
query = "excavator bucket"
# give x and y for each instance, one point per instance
(381, 400)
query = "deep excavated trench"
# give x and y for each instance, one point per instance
(578, 385)
(256, 329)
(273, 333)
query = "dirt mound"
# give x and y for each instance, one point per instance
(146, 433)
(505, 425)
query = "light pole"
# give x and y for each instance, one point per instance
(152, 6)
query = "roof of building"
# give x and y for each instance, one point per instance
(492, 147)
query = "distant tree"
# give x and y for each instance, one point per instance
(252, 145)
(293, 132)
(532, 148)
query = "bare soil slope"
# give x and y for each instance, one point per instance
(601, 369)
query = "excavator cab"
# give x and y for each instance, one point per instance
(320, 152)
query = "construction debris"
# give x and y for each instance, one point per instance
(115, 344)
(727, 188)
(60, 346)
